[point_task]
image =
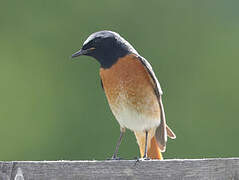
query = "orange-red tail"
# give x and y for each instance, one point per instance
(154, 151)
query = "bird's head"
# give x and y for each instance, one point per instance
(106, 47)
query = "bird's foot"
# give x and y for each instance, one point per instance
(141, 159)
(145, 158)
(115, 158)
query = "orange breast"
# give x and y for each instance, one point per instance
(127, 83)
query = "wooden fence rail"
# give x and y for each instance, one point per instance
(176, 169)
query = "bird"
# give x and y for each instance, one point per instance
(133, 92)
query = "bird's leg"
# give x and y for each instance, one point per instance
(145, 150)
(146, 144)
(122, 131)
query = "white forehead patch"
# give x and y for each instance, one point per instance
(104, 34)
(92, 36)
(99, 34)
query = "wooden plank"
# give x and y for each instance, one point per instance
(224, 168)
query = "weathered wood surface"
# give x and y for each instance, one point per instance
(222, 169)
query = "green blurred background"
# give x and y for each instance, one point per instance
(53, 108)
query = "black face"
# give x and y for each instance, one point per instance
(106, 47)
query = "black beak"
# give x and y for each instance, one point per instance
(79, 53)
(83, 52)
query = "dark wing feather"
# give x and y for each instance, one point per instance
(149, 68)
(161, 133)
(102, 84)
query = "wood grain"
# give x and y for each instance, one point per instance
(221, 169)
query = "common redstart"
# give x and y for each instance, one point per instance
(132, 90)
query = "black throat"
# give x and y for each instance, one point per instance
(108, 55)
(109, 59)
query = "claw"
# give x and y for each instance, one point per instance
(114, 158)
(141, 159)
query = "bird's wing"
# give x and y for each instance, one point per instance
(162, 130)
(149, 68)
(102, 84)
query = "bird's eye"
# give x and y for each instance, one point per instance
(92, 48)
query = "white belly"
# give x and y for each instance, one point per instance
(130, 117)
